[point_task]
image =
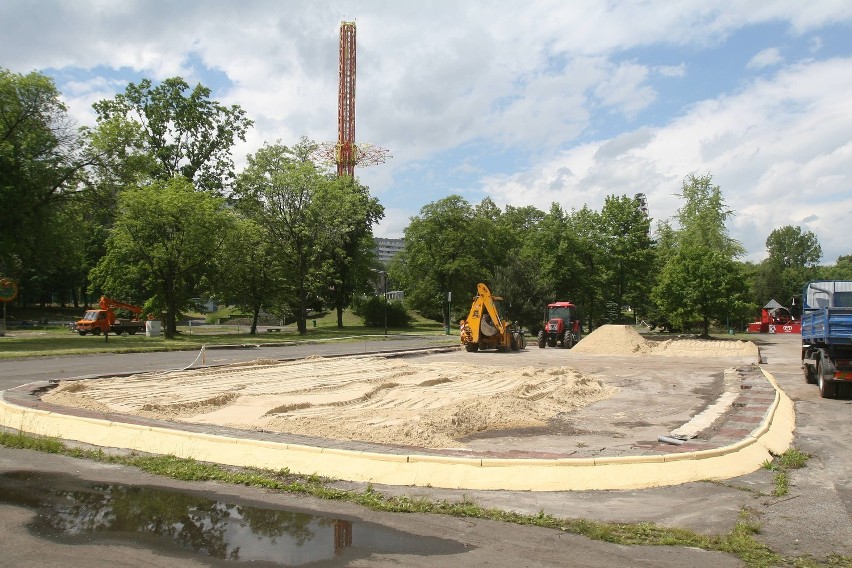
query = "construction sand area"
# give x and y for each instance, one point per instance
(613, 392)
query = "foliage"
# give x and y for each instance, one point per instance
(320, 227)
(792, 261)
(250, 274)
(378, 312)
(448, 250)
(350, 214)
(179, 129)
(700, 281)
(161, 247)
(41, 167)
(626, 230)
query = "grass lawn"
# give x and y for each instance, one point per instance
(44, 340)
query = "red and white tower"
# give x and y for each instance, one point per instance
(346, 153)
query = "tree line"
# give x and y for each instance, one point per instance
(684, 274)
(146, 206)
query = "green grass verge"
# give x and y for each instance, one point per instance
(56, 341)
(740, 541)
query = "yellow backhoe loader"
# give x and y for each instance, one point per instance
(486, 326)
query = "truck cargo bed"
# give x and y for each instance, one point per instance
(828, 326)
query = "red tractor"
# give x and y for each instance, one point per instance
(561, 326)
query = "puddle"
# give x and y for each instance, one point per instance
(70, 511)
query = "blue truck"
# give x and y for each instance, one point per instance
(827, 334)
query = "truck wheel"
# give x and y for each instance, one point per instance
(132, 332)
(826, 388)
(542, 340)
(82, 332)
(568, 340)
(96, 331)
(810, 374)
(471, 347)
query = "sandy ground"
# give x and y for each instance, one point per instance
(452, 401)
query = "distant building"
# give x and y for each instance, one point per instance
(386, 249)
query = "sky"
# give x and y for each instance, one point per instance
(528, 103)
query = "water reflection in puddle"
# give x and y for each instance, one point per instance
(71, 510)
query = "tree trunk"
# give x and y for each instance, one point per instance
(255, 315)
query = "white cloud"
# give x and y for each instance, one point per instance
(780, 151)
(768, 57)
(519, 79)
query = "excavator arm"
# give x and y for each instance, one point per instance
(483, 318)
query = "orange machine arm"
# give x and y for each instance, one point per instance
(109, 303)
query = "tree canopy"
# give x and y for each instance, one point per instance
(179, 128)
(163, 243)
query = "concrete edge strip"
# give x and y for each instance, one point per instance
(773, 436)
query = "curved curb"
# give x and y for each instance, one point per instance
(773, 436)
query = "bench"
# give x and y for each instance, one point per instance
(271, 329)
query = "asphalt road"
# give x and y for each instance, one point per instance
(812, 520)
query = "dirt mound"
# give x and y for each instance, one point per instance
(613, 340)
(623, 340)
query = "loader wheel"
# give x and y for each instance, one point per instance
(471, 347)
(568, 340)
(542, 340)
(827, 389)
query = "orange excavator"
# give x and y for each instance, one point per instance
(486, 326)
(104, 320)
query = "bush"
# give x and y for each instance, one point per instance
(375, 308)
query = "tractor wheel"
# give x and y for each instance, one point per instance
(542, 340)
(826, 388)
(471, 347)
(513, 342)
(568, 340)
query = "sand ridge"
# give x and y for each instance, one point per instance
(371, 399)
(376, 399)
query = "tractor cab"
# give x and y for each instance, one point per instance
(561, 326)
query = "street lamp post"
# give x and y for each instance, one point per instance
(385, 294)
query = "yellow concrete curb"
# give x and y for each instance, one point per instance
(773, 436)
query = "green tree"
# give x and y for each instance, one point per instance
(517, 275)
(443, 254)
(42, 164)
(164, 239)
(700, 281)
(792, 261)
(172, 129)
(250, 274)
(842, 270)
(626, 231)
(350, 214)
(282, 190)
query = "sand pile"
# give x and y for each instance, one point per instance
(623, 340)
(370, 399)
